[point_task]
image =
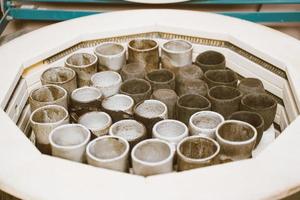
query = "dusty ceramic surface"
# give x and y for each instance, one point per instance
(192, 86)
(197, 151)
(69, 141)
(252, 118)
(168, 97)
(144, 51)
(108, 82)
(189, 104)
(48, 95)
(110, 152)
(205, 123)
(119, 106)
(210, 60)
(43, 120)
(133, 70)
(161, 79)
(85, 65)
(152, 156)
(111, 56)
(61, 76)
(225, 100)
(138, 89)
(251, 85)
(221, 77)
(189, 72)
(261, 103)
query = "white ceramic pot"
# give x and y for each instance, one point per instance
(108, 82)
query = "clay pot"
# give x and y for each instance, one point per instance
(161, 79)
(210, 60)
(188, 72)
(85, 65)
(220, 77)
(189, 104)
(192, 86)
(138, 89)
(225, 100)
(144, 51)
(263, 104)
(251, 85)
(168, 97)
(133, 70)
(195, 152)
(252, 118)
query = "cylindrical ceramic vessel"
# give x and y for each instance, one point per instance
(85, 65)
(138, 89)
(251, 85)
(192, 86)
(168, 97)
(152, 156)
(111, 56)
(225, 100)
(205, 123)
(119, 106)
(109, 152)
(220, 77)
(263, 104)
(188, 73)
(196, 151)
(161, 79)
(61, 76)
(133, 70)
(144, 51)
(43, 120)
(210, 60)
(189, 104)
(48, 95)
(69, 141)
(236, 138)
(108, 82)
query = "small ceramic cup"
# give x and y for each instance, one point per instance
(138, 89)
(111, 56)
(48, 95)
(176, 54)
(236, 138)
(129, 129)
(251, 85)
(85, 65)
(168, 97)
(252, 118)
(43, 120)
(133, 70)
(161, 79)
(210, 60)
(196, 151)
(69, 141)
(152, 156)
(220, 77)
(189, 104)
(205, 123)
(109, 152)
(263, 104)
(149, 112)
(119, 106)
(97, 122)
(61, 76)
(192, 86)
(144, 51)
(108, 82)
(188, 72)
(225, 100)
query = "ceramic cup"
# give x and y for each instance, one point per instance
(176, 54)
(251, 85)
(61, 76)
(97, 122)
(111, 56)
(108, 82)
(188, 72)
(236, 138)
(109, 152)
(144, 51)
(133, 70)
(210, 60)
(192, 86)
(189, 104)
(161, 79)
(252, 118)
(220, 77)
(85, 65)
(205, 123)
(138, 89)
(69, 141)
(48, 95)
(197, 151)
(168, 97)
(43, 120)
(263, 104)
(129, 129)
(152, 156)
(225, 100)
(119, 106)
(149, 112)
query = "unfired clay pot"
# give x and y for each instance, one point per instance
(251, 85)
(161, 79)
(210, 60)
(133, 70)
(221, 77)
(168, 97)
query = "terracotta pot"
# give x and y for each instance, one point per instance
(168, 97)
(220, 77)
(192, 86)
(210, 60)
(251, 85)
(161, 79)
(133, 70)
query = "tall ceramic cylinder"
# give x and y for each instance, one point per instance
(168, 97)
(133, 70)
(210, 60)
(161, 79)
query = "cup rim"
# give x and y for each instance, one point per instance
(164, 113)
(224, 86)
(142, 50)
(81, 66)
(124, 69)
(118, 95)
(109, 72)
(58, 82)
(203, 113)
(156, 134)
(258, 94)
(210, 51)
(218, 82)
(84, 88)
(193, 108)
(174, 51)
(249, 112)
(105, 43)
(135, 79)
(160, 82)
(96, 112)
(49, 85)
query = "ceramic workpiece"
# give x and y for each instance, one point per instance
(161, 79)
(168, 97)
(138, 89)
(133, 70)
(210, 60)
(221, 77)
(250, 85)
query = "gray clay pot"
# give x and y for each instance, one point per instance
(133, 70)
(192, 86)
(220, 77)
(251, 85)
(161, 79)
(168, 97)
(210, 60)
